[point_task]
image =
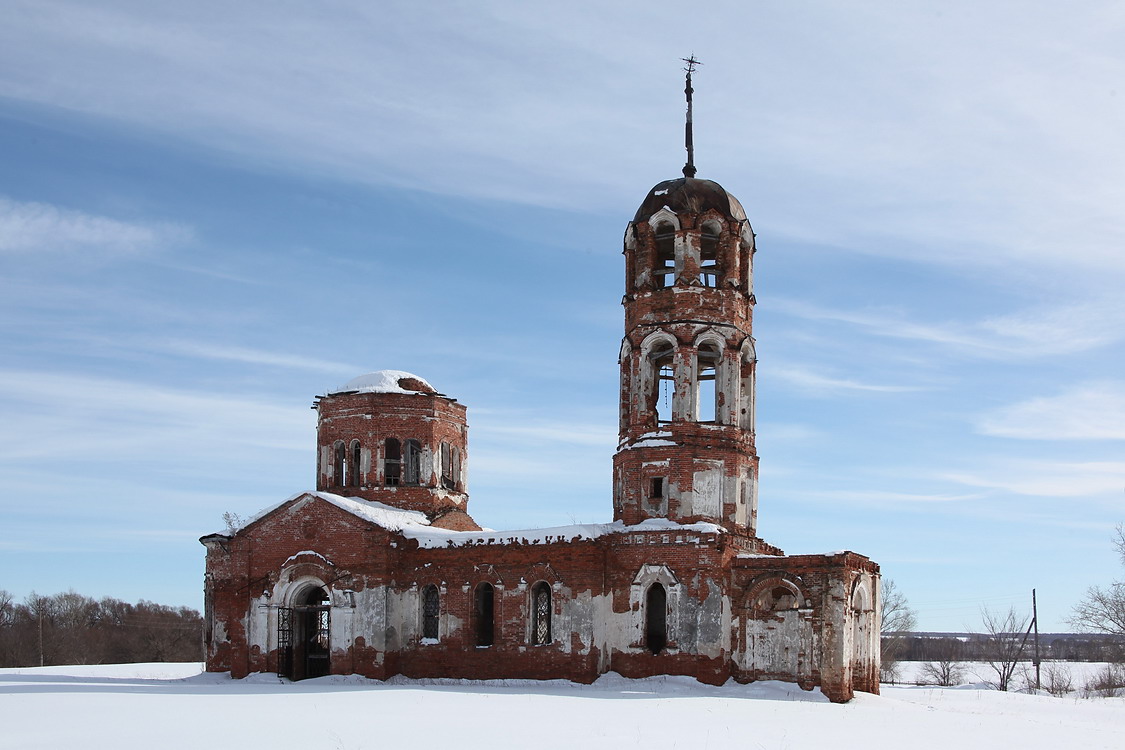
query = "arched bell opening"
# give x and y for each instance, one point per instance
(664, 260)
(710, 272)
(663, 390)
(708, 359)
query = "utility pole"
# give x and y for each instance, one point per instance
(1035, 623)
(39, 606)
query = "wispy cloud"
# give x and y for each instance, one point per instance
(1047, 478)
(252, 356)
(788, 432)
(91, 417)
(825, 385)
(40, 228)
(1041, 332)
(1091, 411)
(880, 497)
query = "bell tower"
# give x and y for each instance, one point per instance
(686, 441)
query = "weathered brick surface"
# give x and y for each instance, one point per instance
(735, 606)
(368, 420)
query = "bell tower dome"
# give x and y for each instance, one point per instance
(686, 441)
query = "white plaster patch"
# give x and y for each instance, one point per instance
(707, 492)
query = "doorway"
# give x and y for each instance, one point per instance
(302, 636)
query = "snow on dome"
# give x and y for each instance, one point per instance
(386, 381)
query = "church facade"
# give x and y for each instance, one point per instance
(382, 571)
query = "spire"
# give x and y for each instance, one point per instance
(689, 167)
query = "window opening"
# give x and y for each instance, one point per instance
(431, 608)
(483, 613)
(541, 614)
(353, 466)
(706, 393)
(456, 467)
(656, 618)
(656, 489)
(664, 389)
(392, 462)
(340, 463)
(664, 269)
(447, 480)
(412, 462)
(709, 256)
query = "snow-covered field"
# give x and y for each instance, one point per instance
(980, 675)
(173, 706)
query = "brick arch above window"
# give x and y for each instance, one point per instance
(774, 593)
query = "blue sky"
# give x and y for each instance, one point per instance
(210, 214)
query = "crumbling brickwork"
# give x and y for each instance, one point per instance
(382, 571)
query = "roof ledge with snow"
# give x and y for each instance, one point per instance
(415, 525)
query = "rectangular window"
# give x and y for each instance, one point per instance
(656, 488)
(392, 466)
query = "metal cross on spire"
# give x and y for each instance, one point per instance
(689, 167)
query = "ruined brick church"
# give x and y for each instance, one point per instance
(382, 571)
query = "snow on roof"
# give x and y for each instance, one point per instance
(390, 518)
(414, 525)
(386, 381)
(430, 538)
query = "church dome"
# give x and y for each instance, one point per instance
(385, 381)
(689, 195)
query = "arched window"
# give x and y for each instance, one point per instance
(664, 264)
(656, 618)
(447, 480)
(339, 464)
(412, 462)
(709, 272)
(392, 462)
(431, 608)
(706, 396)
(541, 614)
(353, 465)
(663, 397)
(776, 599)
(483, 614)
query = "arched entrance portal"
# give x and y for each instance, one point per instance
(302, 636)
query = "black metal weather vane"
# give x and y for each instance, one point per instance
(689, 167)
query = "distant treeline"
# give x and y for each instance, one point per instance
(70, 628)
(979, 646)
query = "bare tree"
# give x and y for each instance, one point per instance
(233, 522)
(1109, 682)
(945, 669)
(1005, 642)
(1103, 610)
(898, 618)
(7, 611)
(1057, 680)
(70, 628)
